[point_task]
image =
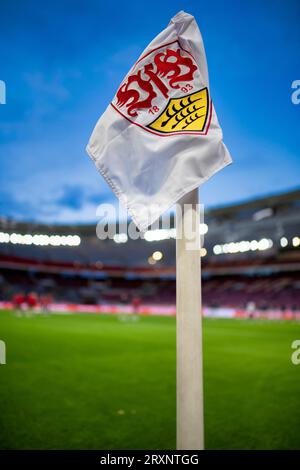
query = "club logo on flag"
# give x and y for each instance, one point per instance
(163, 94)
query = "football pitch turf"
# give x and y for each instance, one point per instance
(99, 382)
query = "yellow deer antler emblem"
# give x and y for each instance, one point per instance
(185, 114)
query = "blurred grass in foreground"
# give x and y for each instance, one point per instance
(96, 382)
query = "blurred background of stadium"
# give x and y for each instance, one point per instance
(84, 373)
(250, 256)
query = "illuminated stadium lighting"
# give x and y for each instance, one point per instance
(296, 241)
(284, 242)
(243, 246)
(40, 239)
(217, 249)
(254, 244)
(203, 229)
(265, 244)
(120, 238)
(4, 237)
(157, 235)
(203, 252)
(157, 255)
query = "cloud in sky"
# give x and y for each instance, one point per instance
(63, 63)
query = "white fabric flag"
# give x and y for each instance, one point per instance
(160, 138)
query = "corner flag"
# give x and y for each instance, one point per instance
(160, 138)
(156, 143)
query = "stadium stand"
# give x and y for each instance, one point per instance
(250, 255)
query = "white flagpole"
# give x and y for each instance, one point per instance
(190, 425)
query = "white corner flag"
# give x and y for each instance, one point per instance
(160, 138)
(156, 143)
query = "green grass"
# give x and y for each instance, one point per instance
(94, 382)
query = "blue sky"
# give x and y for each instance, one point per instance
(62, 62)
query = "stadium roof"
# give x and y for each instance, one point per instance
(265, 227)
(284, 201)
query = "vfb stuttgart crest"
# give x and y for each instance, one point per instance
(163, 93)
